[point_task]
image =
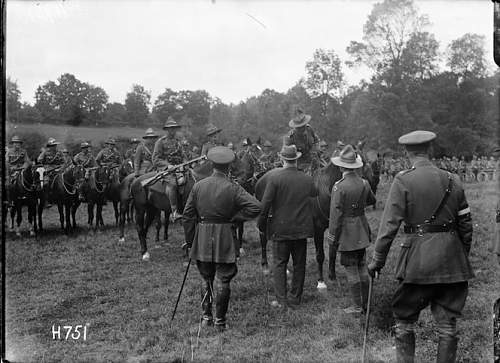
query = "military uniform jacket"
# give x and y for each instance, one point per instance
(288, 193)
(427, 258)
(16, 159)
(86, 160)
(108, 156)
(167, 151)
(348, 226)
(207, 146)
(213, 204)
(130, 153)
(143, 159)
(304, 142)
(51, 158)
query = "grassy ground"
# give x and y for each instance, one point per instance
(89, 278)
(62, 132)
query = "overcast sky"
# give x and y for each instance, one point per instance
(232, 49)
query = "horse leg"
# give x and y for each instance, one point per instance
(67, 210)
(124, 210)
(90, 213)
(98, 217)
(263, 245)
(39, 214)
(165, 228)
(320, 255)
(158, 226)
(117, 214)
(18, 206)
(139, 224)
(32, 217)
(12, 218)
(60, 209)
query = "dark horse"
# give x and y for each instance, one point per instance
(62, 190)
(149, 201)
(112, 192)
(23, 190)
(93, 191)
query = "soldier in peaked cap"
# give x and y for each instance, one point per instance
(213, 205)
(109, 154)
(348, 230)
(304, 138)
(213, 138)
(168, 152)
(433, 266)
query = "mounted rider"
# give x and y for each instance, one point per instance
(109, 155)
(269, 159)
(130, 152)
(143, 158)
(168, 152)
(16, 159)
(87, 160)
(68, 160)
(213, 139)
(304, 138)
(52, 160)
(323, 158)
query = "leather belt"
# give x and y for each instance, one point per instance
(428, 228)
(215, 220)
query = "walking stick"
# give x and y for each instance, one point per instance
(180, 292)
(367, 321)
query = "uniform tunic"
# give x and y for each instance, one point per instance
(87, 160)
(143, 160)
(207, 146)
(429, 258)
(108, 155)
(348, 224)
(212, 206)
(51, 157)
(16, 159)
(167, 151)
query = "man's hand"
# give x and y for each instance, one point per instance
(374, 268)
(186, 246)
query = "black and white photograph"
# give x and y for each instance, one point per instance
(250, 181)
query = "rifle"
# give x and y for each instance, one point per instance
(170, 170)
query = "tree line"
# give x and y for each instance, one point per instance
(414, 85)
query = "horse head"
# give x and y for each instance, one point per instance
(78, 171)
(43, 177)
(126, 169)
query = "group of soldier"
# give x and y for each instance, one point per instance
(433, 267)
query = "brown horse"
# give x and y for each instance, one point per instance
(23, 190)
(149, 201)
(62, 190)
(93, 191)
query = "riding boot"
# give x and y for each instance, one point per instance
(405, 347)
(447, 350)
(206, 304)
(365, 286)
(332, 255)
(221, 305)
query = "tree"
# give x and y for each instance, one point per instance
(390, 27)
(46, 104)
(115, 114)
(324, 74)
(13, 100)
(95, 101)
(137, 105)
(420, 56)
(466, 56)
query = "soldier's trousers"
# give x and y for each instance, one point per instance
(217, 278)
(354, 263)
(171, 190)
(281, 254)
(446, 301)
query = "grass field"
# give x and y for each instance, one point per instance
(89, 278)
(63, 132)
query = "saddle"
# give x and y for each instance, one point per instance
(160, 186)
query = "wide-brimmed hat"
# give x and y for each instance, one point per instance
(417, 137)
(110, 141)
(221, 155)
(212, 129)
(84, 145)
(150, 134)
(299, 119)
(16, 139)
(171, 124)
(52, 142)
(289, 152)
(348, 158)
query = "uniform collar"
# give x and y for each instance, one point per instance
(348, 173)
(289, 166)
(219, 173)
(420, 161)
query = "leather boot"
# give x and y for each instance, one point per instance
(447, 350)
(206, 304)
(332, 256)
(405, 347)
(365, 286)
(356, 294)
(221, 304)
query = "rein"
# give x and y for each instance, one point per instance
(64, 184)
(24, 185)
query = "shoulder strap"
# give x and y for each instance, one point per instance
(443, 200)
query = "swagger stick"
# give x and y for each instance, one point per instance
(367, 321)
(180, 292)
